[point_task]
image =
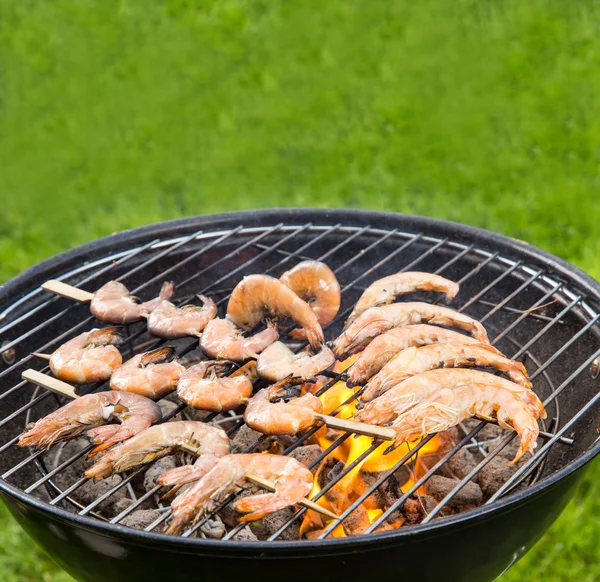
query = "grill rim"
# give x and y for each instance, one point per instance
(262, 218)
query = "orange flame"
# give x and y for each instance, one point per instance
(353, 485)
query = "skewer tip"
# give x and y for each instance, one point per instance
(318, 508)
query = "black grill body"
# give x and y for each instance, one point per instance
(475, 545)
(479, 547)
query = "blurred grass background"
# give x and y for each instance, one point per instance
(114, 114)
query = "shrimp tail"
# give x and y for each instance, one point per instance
(97, 450)
(178, 476)
(177, 524)
(297, 334)
(285, 388)
(103, 468)
(167, 290)
(217, 367)
(104, 437)
(181, 476)
(107, 436)
(528, 443)
(257, 506)
(206, 301)
(105, 336)
(315, 337)
(188, 473)
(520, 375)
(271, 325)
(172, 492)
(100, 433)
(158, 355)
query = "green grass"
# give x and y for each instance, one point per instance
(114, 114)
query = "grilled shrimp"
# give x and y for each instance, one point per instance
(448, 407)
(169, 322)
(451, 355)
(114, 304)
(406, 394)
(256, 296)
(282, 418)
(88, 414)
(201, 387)
(316, 283)
(158, 441)
(377, 320)
(89, 357)
(222, 340)
(387, 289)
(278, 362)
(148, 374)
(384, 347)
(292, 481)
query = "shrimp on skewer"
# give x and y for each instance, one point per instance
(89, 357)
(114, 304)
(169, 322)
(90, 414)
(415, 389)
(282, 418)
(448, 407)
(158, 441)
(386, 290)
(148, 374)
(377, 320)
(384, 347)
(415, 360)
(292, 480)
(201, 387)
(278, 362)
(222, 340)
(256, 296)
(317, 284)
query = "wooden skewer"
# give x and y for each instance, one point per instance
(50, 383)
(68, 291)
(305, 502)
(378, 432)
(43, 356)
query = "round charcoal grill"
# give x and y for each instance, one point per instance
(535, 307)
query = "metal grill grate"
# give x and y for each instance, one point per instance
(520, 305)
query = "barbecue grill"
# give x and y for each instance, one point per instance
(536, 308)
